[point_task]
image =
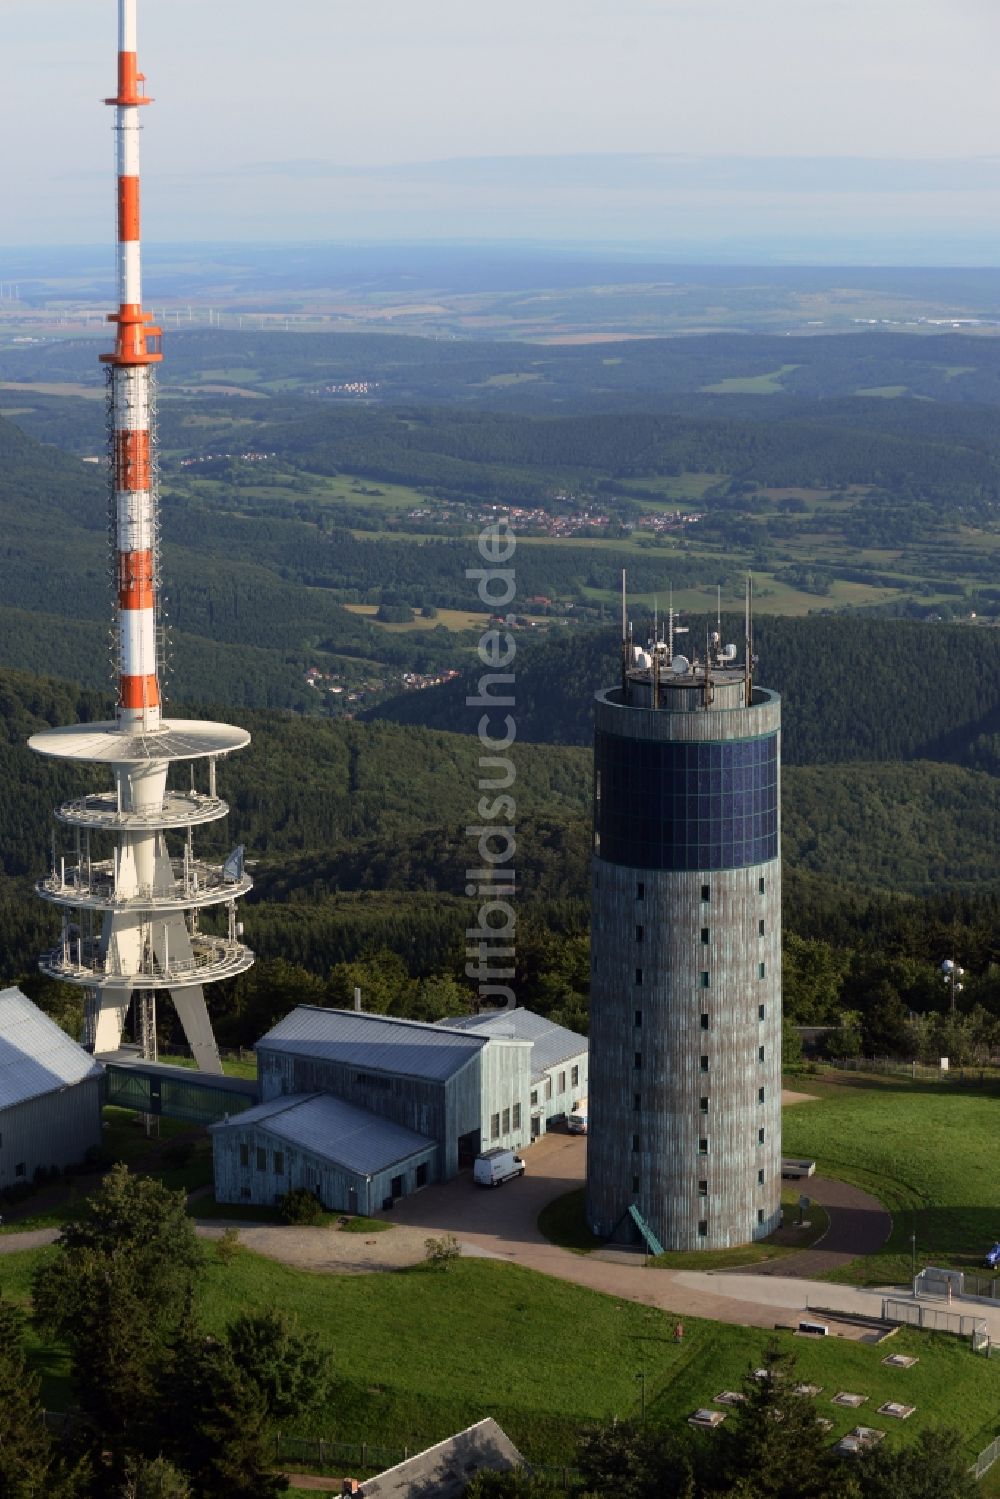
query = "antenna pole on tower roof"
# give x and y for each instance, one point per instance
(748, 644)
(625, 650)
(670, 628)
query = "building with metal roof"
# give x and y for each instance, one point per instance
(50, 1094)
(445, 1470)
(459, 1089)
(559, 1060)
(352, 1159)
(357, 1039)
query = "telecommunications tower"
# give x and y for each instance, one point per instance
(685, 999)
(124, 873)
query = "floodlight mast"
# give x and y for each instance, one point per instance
(130, 921)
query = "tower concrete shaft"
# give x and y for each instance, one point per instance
(130, 906)
(685, 1028)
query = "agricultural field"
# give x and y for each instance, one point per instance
(455, 620)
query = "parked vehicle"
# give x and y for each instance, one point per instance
(576, 1122)
(992, 1257)
(494, 1167)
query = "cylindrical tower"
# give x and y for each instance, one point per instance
(130, 908)
(685, 1009)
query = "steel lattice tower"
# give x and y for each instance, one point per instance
(130, 907)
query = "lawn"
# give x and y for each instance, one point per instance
(564, 1223)
(245, 1067)
(421, 1353)
(927, 1150)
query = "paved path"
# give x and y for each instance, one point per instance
(502, 1224)
(859, 1224)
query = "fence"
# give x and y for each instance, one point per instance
(986, 1458)
(932, 1318)
(925, 1072)
(360, 1457)
(965, 1283)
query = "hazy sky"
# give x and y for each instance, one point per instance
(267, 113)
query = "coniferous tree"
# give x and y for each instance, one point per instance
(25, 1446)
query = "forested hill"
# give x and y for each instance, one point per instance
(852, 689)
(359, 836)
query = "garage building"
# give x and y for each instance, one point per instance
(365, 1109)
(50, 1094)
(559, 1061)
(353, 1161)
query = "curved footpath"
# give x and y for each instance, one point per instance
(859, 1225)
(504, 1225)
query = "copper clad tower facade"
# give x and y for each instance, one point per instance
(685, 1029)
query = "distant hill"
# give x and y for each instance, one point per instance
(852, 688)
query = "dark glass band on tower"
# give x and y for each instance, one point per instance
(684, 806)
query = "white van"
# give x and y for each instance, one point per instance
(576, 1122)
(494, 1167)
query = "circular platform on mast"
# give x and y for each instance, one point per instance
(118, 744)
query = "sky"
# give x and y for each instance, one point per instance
(807, 126)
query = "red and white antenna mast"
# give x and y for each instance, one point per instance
(130, 908)
(131, 380)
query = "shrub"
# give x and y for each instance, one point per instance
(443, 1251)
(229, 1246)
(300, 1206)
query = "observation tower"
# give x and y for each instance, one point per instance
(685, 1008)
(125, 875)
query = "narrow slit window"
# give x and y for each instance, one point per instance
(704, 1064)
(704, 1021)
(703, 1188)
(638, 933)
(638, 1018)
(706, 892)
(703, 1104)
(638, 975)
(640, 891)
(704, 936)
(703, 1229)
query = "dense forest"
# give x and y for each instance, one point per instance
(359, 837)
(852, 688)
